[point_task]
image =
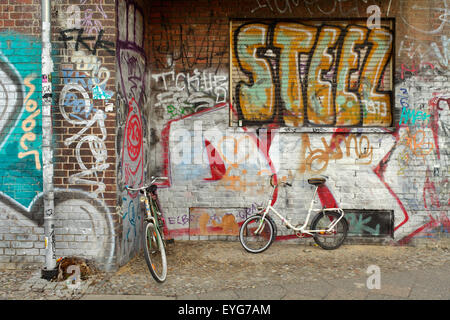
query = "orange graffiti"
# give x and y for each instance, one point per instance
(254, 105)
(318, 159)
(294, 39)
(418, 147)
(315, 70)
(29, 124)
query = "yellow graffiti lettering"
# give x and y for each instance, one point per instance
(295, 40)
(377, 103)
(295, 74)
(36, 157)
(257, 95)
(320, 90)
(30, 123)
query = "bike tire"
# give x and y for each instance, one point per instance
(334, 239)
(155, 253)
(256, 243)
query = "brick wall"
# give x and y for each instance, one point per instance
(21, 134)
(221, 173)
(149, 88)
(84, 125)
(84, 122)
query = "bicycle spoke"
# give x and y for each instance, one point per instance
(155, 253)
(256, 238)
(329, 238)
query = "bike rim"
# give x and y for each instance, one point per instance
(154, 252)
(256, 241)
(330, 237)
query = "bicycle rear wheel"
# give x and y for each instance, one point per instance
(256, 243)
(329, 239)
(155, 253)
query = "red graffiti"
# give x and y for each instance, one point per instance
(435, 108)
(132, 152)
(216, 163)
(134, 137)
(413, 69)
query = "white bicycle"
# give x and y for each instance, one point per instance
(328, 228)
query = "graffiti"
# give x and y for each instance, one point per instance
(72, 17)
(213, 221)
(172, 44)
(132, 225)
(90, 219)
(370, 223)
(318, 159)
(417, 143)
(432, 53)
(187, 94)
(88, 117)
(413, 115)
(82, 40)
(436, 193)
(247, 212)
(311, 61)
(131, 130)
(313, 7)
(99, 75)
(84, 84)
(93, 25)
(436, 109)
(29, 124)
(413, 71)
(132, 64)
(180, 220)
(133, 148)
(430, 10)
(20, 120)
(413, 145)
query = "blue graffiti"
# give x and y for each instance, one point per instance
(358, 225)
(131, 217)
(20, 118)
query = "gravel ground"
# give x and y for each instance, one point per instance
(204, 266)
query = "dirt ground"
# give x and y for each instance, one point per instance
(202, 266)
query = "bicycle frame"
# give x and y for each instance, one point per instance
(151, 205)
(151, 214)
(301, 229)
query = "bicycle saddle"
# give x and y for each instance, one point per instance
(317, 181)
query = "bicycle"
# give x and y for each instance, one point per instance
(328, 228)
(154, 243)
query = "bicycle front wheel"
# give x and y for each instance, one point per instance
(155, 253)
(329, 238)
(256, 243)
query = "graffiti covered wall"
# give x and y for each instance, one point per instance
(132, 115)
(83, 134)
(84, 127)
(363, 101)
(218, 97)
(296, 73)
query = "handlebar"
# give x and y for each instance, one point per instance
(154, 179)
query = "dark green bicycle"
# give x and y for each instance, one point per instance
(154, 243)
